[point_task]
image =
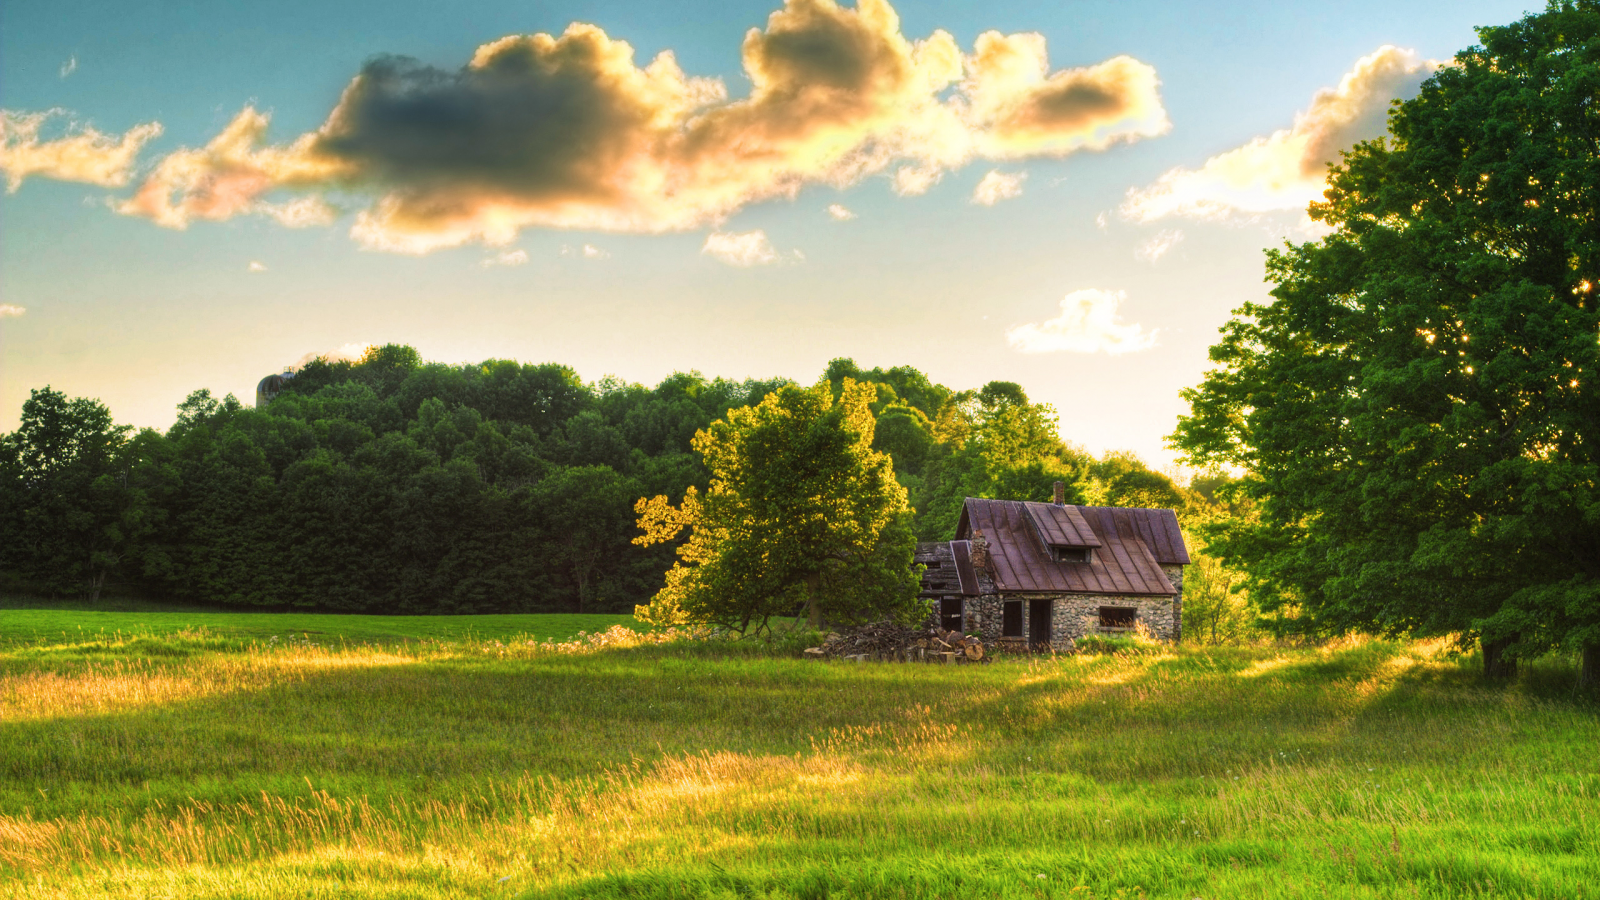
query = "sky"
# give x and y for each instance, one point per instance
(1072, 196)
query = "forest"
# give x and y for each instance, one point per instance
(393, 485)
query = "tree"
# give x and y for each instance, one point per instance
(585, 509)
(67, 513)
(802, 515)
(1418, 410)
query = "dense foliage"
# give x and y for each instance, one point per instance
(801, 515)
(393, 485)
(1418, 408)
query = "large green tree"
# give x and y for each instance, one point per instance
(68, 514)
(1418, 408)
(801, 515)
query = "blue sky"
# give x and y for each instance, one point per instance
(755, 277)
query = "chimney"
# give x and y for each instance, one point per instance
(1061, 493)
(979, 550)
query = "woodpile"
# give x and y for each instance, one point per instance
(888, 642)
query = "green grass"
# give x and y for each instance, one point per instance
(32, 625)
(196, 765)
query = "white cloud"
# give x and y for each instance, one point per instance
(508, 258)
(746, 248)
(345, 353)
(256, 266)
(913, 181)
(997, 186)
(1157, 247)
(1102, 221)
(81, 154)
(302, 212)
(587, 251)
(1287, 169)
(8, 310)
(1087, 324)
(70, 66)
(840, 213)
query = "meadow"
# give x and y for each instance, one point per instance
(337, 757)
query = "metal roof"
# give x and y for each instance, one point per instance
(1060, 526)
(1130, 546)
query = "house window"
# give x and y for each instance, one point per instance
(1117, 616)
(933, 564)
(1070, 554)
(950, 614)
(1011, 619)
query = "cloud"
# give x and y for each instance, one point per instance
(747, 248)
(229, 175)
(346, 353)
(568, 131)
(506, 258)
(8, 310)
(840, 213)
(82, 154)
(256, 266)
(1287, 169)
(302, 212)
(997, 186)
(1022, 110)
(70, 66)
(587, 251)
(1157, 247)
(1087, 324)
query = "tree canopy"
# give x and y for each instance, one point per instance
(801, 515)
(1417, 408)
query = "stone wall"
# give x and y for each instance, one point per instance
(1072, 616)
(1175, 575)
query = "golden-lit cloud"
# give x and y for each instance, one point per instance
(997, 186)
(569, 131)
(748, 248)
(10, 310)
(1287, 169)
(840, 212)
(256, 266)
(1019, 109)
(229, 176)
(82, 154)
(1088, 324)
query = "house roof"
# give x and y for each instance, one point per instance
(1129, 546)
(948, 569)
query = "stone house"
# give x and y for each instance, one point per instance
(1041, 575)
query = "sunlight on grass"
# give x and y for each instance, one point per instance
(635, 766)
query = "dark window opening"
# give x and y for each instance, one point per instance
(1011, 619)
(1117, 617)
(1071, 554)
(934, 564)
(950, 614)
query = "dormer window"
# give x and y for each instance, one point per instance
(1072, 554)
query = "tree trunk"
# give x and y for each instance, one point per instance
(813, 612)
(1495, 662)
(1589, 672)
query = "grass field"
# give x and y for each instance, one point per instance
(218, 762)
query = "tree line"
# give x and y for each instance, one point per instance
(390, 484)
